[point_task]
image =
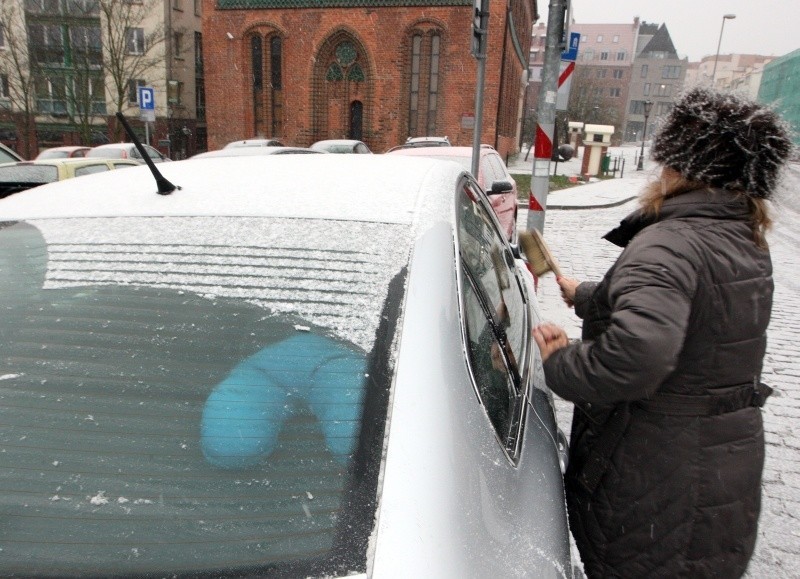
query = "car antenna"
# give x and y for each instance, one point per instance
(165, 187)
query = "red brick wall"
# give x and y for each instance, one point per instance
(384, 35)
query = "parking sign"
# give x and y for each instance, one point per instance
(147, 103)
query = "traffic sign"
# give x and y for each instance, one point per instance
(147, 103)
(571, 53)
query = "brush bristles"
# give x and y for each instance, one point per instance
(537, 253)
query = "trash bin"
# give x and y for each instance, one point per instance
(605, 162)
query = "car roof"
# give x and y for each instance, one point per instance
(373, 188)
(253, 151)
(438, 151)
(77, 161)
(66, 148)
(255, 142)
(338, 142)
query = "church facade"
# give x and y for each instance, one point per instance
(373, 70)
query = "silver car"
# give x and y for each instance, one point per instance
(224, 381)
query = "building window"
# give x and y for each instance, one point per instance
(663, 89)
(198, 53)
(51, 95)
(621, 55)
(47, 43)
(86, 46)
(5, 92)
(175, 92)
(646, 91)
(43, 6)
(664, 108)
(637, 107)
(200, 98)
(177, 4)
(644, 71)
(616, 39)
(601, 73)
(135, 43)
(584, 38)
(88, 95)
(424, 88)
(614, 92)
(198, 4)
(604, 56)
(597, 92)
(133, 90)
(2, 38)
(588, 55)
(177, 45)
(83, 7)
(599, 38)
(671, 72)
(619, 73)
(267, 96)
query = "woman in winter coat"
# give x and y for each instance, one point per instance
(667, 443)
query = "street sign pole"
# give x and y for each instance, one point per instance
(480, 24)
(546, 114)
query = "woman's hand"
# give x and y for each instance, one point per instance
(549, 337)
(568, 286)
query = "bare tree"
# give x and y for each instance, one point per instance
(130, 41)
(18, 70)
(589, 99)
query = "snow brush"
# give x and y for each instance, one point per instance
(538, 254)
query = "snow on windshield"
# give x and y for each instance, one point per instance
(333, 274)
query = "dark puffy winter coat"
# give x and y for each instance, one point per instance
(667, 444)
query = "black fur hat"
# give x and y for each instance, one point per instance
(724, 140)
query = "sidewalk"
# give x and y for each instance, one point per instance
(600, 193)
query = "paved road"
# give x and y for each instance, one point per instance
(575, 237)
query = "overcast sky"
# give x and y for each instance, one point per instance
(768, 27)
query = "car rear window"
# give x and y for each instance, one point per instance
(28, 174)
(53, 155)
(193, 395)
(108, 153)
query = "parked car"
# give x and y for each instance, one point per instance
(64, 152)
(493, 176)
(253, 151)
(341, 146)
(22, 175)
(9, 155)
(125, 151)
(412, 142)
(255, 142)
(221, 381)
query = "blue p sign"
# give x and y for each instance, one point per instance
(147, 101)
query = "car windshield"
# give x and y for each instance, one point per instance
(187, 395)
(28, 174)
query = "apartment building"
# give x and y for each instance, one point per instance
(67, 66)
(740, 72)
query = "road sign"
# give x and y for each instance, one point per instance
(147, 103)
(571, 53)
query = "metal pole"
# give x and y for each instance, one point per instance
(479, 52)
(543, 146)
(719, 44)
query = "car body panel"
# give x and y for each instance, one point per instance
(66, 152)
(504, 204)
(450, 501)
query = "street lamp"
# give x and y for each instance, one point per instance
(647, 106)
(716, 58)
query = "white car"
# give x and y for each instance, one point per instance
(222, 381)
(255, 142)
(125, 151)
(342, 146)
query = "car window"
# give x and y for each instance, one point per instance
(53, 155)
(107, 153)
(361, 148)
(498, 167)
(182, 393)
(152, 153)
(6, 157)
(90, 169)
(493, 279)
(29, 174)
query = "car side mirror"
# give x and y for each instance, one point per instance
(501, 186)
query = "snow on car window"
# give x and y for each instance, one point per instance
(333, 274)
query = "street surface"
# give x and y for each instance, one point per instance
(574, 235)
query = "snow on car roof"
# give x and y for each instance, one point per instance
(375, 188)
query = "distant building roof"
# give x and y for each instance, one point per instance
(660, 43)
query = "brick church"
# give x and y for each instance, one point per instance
(374, 70)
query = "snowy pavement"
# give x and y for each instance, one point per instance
(575, 238)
